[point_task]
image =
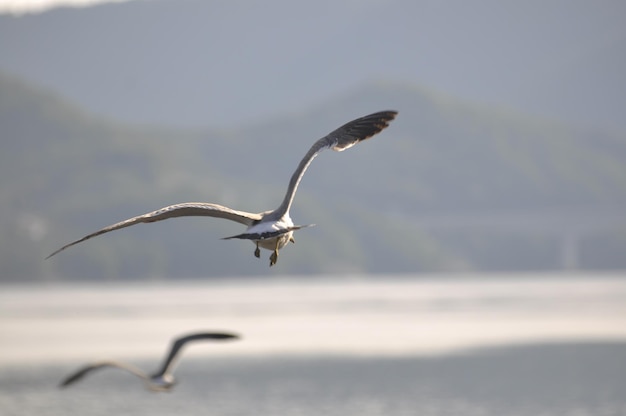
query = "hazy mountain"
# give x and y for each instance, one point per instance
(208, 63)
(449, 186)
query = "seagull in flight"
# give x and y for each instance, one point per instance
(162, 380)
(271, 230)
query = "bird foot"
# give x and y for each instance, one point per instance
(273, 258)
(257, 252)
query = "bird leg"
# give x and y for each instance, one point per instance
(274, 255)
(257, 252)
(291, 239)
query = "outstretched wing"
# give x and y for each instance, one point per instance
(340, 139)
(170, 361)
(72, 378)
(187, 209)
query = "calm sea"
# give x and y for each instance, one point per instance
(526, 344)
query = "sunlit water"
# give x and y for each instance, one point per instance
(437, 345)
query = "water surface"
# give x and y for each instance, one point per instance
(442, 345)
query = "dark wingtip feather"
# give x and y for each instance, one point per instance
(363, 128)
(210, 335)
(70, 380)
(224, 335)
(382, 120)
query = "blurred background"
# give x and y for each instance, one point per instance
(509, 152)
(467, 260)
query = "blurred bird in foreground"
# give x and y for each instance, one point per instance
(163, 379)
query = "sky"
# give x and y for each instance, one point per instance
(34, 6)
(557, 59)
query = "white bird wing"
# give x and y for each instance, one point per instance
(79, 374)
(339, 140)
(187, 209)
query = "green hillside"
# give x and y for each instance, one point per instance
(447, 187)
